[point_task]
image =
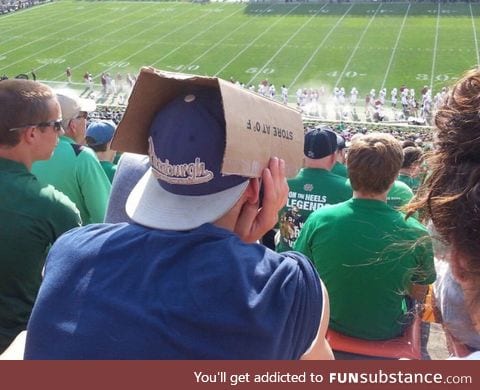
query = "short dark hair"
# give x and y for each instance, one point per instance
(412, 155)
(97, 148)
(406, 143)
(23, 102)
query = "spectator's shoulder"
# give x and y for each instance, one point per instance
(416, 225)
(80, 238)
(57, 203)
(295, 262)
(297, 259)
(84, 152)
(400, 186)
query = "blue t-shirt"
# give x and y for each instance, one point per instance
(124, 291)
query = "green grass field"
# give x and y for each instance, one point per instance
(366, 45)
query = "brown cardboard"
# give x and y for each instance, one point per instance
(257, 128)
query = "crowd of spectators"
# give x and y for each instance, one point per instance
(7, 6)
(366, 173)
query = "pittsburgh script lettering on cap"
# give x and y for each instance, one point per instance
(264, 128)
(187, 173)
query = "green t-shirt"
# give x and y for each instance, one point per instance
(32, 217)
(109, 168)
(310, 190)
(340, 170)
(75, 171)
(412, 182)
(368, 256)
(399, 195)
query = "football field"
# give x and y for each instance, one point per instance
(366, 45)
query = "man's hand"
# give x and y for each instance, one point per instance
(254, 222)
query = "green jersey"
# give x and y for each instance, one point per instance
(368, 257)
(312, 189)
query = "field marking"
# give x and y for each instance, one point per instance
(395, 46)
(56, 44)
(81, 47)
(248, 21)
(154, 42)
(75, 16)
(357, 45)
(48, 35)
(325, 38)
(256, 39)
(285, 44)
(123, 27)
(196, 36)
(122, 41)
(474, 34)
(434, 59)
(27, 22)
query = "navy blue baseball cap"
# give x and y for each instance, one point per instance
(320, 142)
(184, 188)
(341, 144)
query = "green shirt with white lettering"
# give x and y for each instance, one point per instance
(311, 189)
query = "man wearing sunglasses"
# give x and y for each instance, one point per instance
(32, 214)
(74, 168)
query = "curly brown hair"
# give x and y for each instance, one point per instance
(450, 196)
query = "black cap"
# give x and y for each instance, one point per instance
(340, 142)
(320, 142)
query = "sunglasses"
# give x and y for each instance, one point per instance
(56, 124)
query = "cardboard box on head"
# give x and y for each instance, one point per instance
(257, 128)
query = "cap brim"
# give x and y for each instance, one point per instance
(150, 205)
(87, 105)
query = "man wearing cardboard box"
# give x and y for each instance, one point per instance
(186, 280)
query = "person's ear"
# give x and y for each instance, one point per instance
(30, 134)
(252, 193)
(71, 127)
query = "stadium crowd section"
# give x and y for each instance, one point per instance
(421, 135)
(7, 6)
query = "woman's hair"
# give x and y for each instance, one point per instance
(450, 196)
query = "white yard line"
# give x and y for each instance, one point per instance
(59, 42)
(325, 38)
(21, 26)
(285, 44)
(395, 47)
(196, 36)
(474, 34)
(248, 21)
(89, 59)
(255, 40)
(357, 46)
(55, 33)
(134, 22)
(434, 60)
(152, 42)
(102, 38)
